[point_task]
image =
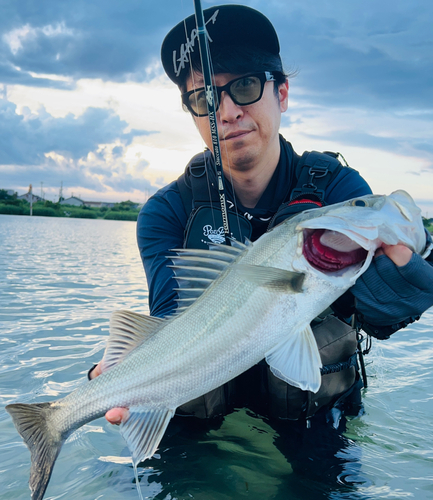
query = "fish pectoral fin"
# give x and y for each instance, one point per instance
(272, 277)
(143, 431)
(297, 361)
(127, 331)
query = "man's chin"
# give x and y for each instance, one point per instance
(240, 159)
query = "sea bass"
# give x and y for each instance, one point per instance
(238, 304)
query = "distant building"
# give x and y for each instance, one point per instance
(98, 204)
(73, 200)
(78, 202)
(30, 197)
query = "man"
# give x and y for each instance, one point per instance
(265, 182)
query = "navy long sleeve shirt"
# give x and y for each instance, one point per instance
(162, 221)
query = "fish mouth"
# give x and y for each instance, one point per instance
(330, 251)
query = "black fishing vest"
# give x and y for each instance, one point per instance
(258, 388)
(197, 186)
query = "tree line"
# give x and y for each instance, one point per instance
(11, 205)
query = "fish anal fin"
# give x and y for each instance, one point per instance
(271, 277)
(296, 360)
(143, 431)
(127, 331)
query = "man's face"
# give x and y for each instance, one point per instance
(248, 134)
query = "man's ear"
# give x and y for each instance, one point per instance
(283, 96)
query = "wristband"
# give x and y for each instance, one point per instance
(90, 371)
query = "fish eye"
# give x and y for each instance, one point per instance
(358, 203)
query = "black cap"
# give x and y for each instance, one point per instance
(227, 26)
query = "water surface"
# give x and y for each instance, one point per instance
(60, 279)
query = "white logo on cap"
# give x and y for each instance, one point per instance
(188, 47)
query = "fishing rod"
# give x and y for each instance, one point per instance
(211, 108)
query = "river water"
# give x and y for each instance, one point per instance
(60, 279)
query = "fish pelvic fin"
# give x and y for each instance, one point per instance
(44, 443)
(143, 431)
(128, 330)
(297, 361)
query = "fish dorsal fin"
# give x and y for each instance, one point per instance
(296, 360)
(127, 331)
(196, 269)
(143, 431)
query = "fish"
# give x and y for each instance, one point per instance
(237, 305)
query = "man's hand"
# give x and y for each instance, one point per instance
(395, 289)
(399, 254)
(116, 415)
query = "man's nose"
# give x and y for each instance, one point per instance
(229, 111)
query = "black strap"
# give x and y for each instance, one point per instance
(193, 183)
(338, 367)
(314, 172)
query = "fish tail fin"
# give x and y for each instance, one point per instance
(41, 438)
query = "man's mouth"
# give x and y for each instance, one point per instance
(235, 135)
(331, 251)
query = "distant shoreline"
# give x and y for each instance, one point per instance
(66, 218)
(125, 210)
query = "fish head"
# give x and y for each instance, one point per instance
(340, 240)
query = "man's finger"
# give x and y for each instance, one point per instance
(117, 415)
(399, 254)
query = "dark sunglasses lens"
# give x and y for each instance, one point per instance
(243, 91)
(246, 90)
(197, 102)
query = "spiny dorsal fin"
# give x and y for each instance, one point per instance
(196, 269)
(127, 331)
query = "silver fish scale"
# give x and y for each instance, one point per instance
(189, 356)
(164, 373)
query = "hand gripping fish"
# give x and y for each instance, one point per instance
(238, 305)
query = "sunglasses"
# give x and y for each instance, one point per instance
(245, 90)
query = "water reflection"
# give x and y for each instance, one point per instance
(247, 456)
(59, 282)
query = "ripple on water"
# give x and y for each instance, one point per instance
(59, 282)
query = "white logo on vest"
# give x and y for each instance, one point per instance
(215, 235)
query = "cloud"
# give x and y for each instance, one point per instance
(84, 151)
(11, 75)
(370, 53)
(25, 139)
(362, 66)
(102, 176)
(102, 39)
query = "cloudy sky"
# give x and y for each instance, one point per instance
(84, 101)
